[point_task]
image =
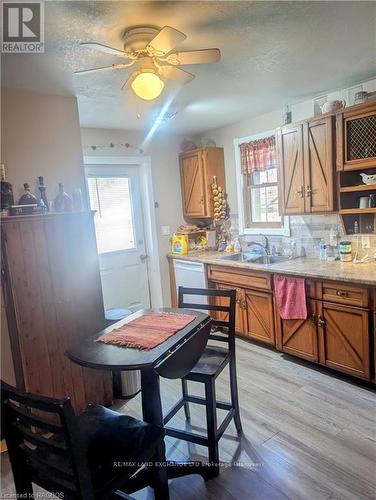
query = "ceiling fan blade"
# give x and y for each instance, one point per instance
(204, 56)
(102, 68)
(104, 48)
(166, 40)
(176, 74)
(128, 82)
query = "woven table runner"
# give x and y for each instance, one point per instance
(147, 331)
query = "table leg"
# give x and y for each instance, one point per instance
(152, 413)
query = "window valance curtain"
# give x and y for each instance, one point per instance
(258, 156)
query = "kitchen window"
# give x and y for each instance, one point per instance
(257, 176)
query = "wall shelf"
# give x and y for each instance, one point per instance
(352, 189)
(350, 211)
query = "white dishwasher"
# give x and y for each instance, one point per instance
(192, 275)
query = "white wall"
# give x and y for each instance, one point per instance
(225, 136)
(163, 150)
(41, 136)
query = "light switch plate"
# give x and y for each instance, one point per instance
(165, 230)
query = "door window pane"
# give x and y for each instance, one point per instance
(111, 199)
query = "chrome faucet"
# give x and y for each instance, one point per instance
(265, 247)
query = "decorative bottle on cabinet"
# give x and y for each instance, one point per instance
(6, 190)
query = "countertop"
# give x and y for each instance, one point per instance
(364, 273)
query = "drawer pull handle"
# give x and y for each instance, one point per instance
(341, 293)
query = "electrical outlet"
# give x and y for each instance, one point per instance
(366, 242)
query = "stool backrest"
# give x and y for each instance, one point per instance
(226, 325)
(44, 444)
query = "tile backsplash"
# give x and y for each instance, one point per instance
(307, 231)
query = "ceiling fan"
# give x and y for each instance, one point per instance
(150, 49)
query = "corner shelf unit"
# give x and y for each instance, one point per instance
(356, 154)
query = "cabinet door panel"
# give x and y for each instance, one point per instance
(299, 337)
(259, 311)
(344, 339)
(239, 309)
(318, 164)
(193, 185)
(291, 173)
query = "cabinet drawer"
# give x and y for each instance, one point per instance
(240, 277)
(345, 294)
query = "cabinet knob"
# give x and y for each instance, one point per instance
(341, 293)
(313, 319)
(301, 191)
(309, 191)
(321, 321)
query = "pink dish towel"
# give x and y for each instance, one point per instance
(291, 297)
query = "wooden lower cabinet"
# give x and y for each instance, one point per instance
(239, 311)
(344, 339)
(299, 337)
(259, 316)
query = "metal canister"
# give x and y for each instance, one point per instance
(345, 253)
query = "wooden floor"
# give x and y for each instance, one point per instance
(307, 435)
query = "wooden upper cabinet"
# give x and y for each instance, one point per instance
(306, 166)
(291, 169)
(356, 137)
(319, 165)
(197, 169)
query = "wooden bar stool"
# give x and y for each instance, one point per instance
(211, 363)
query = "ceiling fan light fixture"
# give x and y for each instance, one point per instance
(147, 85)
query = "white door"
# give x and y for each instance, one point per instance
(114, 193)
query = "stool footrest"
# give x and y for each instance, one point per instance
(186, 436)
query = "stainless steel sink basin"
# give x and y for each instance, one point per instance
(254, 259)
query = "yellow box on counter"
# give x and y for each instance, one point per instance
(179, 244)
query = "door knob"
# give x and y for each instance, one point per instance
(143, 257)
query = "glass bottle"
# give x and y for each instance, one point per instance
(63, 202)
(43, 196)
(6, 190)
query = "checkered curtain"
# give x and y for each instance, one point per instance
(258, 156)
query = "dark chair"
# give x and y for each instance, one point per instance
(88, 457)
(211, 363)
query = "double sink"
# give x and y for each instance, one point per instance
(252, 258)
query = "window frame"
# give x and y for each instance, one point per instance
(244, 200)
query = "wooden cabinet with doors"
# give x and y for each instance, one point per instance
(291, 169)
(344, 340)
(356, 137)
(318, 150)
(260, 320)
(298, 337)
(306, 166)
(53, 299)
(197, 169)
(239, 309)
(254, 310)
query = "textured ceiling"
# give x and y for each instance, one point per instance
(273, 53)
